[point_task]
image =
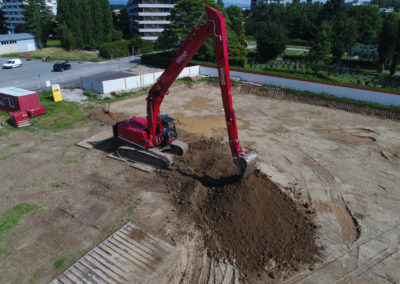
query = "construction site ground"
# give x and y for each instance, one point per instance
(335, 173)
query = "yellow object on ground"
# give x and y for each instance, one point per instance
(56, 93)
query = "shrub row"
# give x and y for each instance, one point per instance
(123, 48)
(120, 48)
(162, 60)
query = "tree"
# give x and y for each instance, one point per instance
(76, 23)
(220, 3)
(38, 19)
(88, 25)
(121, 22)
(321, 46)
(368, 23)
(389, 47)
(183, 18)
(344, 27)
(97, 22)
(236, 23)
(271, 41)
(107, 20)
(66, 37)
(3, 28)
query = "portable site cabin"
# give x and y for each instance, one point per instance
(20, 104)
(16, 99)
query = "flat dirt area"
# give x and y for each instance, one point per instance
(322, 206)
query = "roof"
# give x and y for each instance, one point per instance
(15, 92)
(109, 76)
(19, 36)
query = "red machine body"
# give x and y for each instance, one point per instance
(150, 132)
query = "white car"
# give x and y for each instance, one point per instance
(12, 63)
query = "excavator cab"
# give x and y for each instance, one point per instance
(168, 128)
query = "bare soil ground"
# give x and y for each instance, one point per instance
(336, 174)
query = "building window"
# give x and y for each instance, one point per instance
(10, 102)
(1, 101)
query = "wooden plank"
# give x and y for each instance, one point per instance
(89, 273)
(129, 257)
(98, 138)
(97, 270)
(105, 267)
(118, 259)
(146, 251)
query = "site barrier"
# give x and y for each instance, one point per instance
(360, 94)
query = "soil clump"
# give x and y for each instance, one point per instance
(254, 224)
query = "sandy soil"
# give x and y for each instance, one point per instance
(346, 166)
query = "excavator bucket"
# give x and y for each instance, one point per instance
(246, 163)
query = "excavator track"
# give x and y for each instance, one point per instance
(155, 157)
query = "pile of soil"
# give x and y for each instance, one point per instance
(251, 222)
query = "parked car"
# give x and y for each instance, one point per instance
(61, 66)
(12, 63)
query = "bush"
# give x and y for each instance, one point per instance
(237, 61)
(294, 57)
(161, 60)
(120, 49)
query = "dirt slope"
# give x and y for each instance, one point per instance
(249, 221)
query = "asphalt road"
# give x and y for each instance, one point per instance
(34, 74)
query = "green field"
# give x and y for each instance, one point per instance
(57, 53)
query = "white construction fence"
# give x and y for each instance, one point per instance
(114, 83)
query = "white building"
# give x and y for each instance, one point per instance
(18, 43)
(14, 11)
(148, 18)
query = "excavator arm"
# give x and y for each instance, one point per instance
(214, 27)
(157, 133)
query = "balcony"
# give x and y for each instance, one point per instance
(144, 22)
(149, 14)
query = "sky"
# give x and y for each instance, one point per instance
(240, 3)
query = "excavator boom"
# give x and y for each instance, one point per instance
(154, 134)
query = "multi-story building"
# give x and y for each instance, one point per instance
(14, 11)
(148, 18)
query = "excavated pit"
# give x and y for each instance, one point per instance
(254, 224)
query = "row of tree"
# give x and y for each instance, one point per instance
(331, 29)
(84, 23)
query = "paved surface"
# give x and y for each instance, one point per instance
(34, 74)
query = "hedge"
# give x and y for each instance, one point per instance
(163, 59)
(121, 48)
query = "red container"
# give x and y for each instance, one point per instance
(20, 118)
(15, 99)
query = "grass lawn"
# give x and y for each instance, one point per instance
(57, 53)
(10, 218)
(53, 43)
(294, 52)
(296, 46)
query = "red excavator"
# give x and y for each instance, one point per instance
(151, 137)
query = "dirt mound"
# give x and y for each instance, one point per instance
(251, 222)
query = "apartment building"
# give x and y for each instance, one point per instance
(148, 18)
(14, 11)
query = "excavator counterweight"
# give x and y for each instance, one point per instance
(156, 134)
